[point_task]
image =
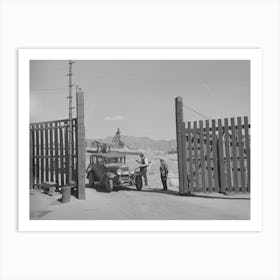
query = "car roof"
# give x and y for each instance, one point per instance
(108, 155)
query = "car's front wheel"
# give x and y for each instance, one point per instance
(109, 184)
(138, 182)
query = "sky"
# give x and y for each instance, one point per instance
(139, 96)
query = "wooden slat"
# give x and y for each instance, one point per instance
(73, 152)
(234, 155)
(208, 160)
(52, 174)
(34, 153)
(241, 154)
(37, 160)
(227, 153)
(66, 154)
(196, 163)
(248, 154)
(47, 151)
(55, 123)
(221, 158)
(185, 169)
(216, 128)
(202, 159)
(31, 158)
(61, 144)
(42, 154)
(191, 183)
(56, 155)
(42, 126)
(215, 156)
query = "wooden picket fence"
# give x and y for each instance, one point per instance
(213, 155)
(49, 151)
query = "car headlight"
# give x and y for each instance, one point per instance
(119, 172)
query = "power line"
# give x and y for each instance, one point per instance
(202, 115)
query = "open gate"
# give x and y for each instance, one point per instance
(213, 155)
(50, 155)
(49, 151)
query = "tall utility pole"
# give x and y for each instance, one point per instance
(70, 130)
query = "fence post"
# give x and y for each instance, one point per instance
(81, 159)
(185, 167)
(181, 146)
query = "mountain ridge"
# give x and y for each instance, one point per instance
(144, 143)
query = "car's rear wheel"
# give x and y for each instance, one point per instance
(109, 184)
(138, 182)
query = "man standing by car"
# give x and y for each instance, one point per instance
(163, 173)
(144, 167)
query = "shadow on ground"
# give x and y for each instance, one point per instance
(100, 188)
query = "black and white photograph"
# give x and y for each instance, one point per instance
(140, 139)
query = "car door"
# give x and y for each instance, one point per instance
(99, 168)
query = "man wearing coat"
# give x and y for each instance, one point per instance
(163, 173)
(144, 163)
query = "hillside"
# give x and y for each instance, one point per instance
(145, 143)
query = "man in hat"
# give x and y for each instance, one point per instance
(163, 173)
(143, 167)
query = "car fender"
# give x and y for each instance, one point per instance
(137, 173)
(90, 172)
(109, 175)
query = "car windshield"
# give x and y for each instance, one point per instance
(114, 160)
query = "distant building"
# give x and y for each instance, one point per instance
(106, 146)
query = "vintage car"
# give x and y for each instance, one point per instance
(111, 171)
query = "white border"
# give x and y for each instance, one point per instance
(254, 55)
